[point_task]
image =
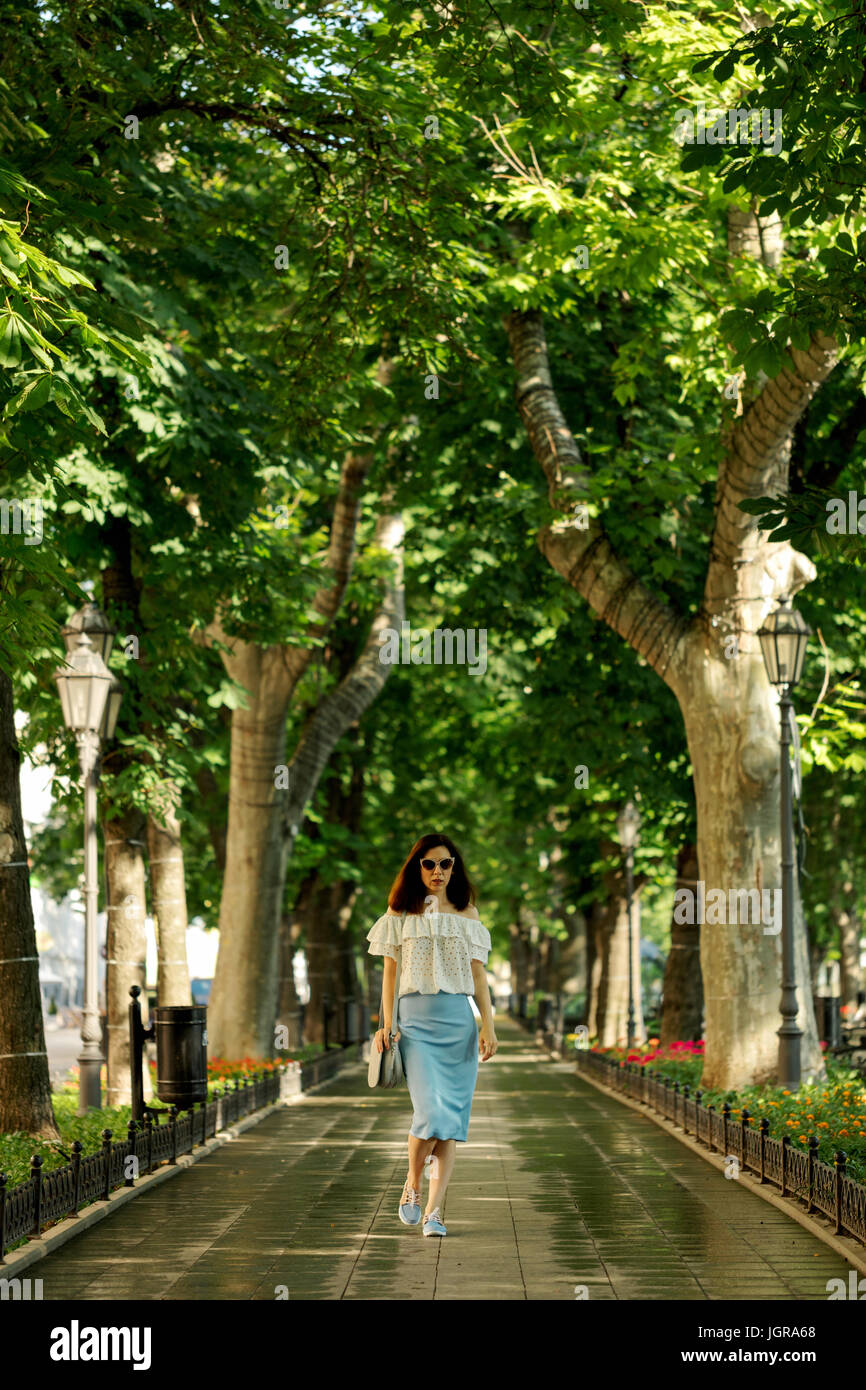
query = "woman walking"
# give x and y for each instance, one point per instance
(445, 946)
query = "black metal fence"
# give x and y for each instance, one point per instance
(48, 1197)
(796, 1174)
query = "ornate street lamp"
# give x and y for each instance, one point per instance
(628, 827)
(784, 637)
(90, 699)
(92, 620)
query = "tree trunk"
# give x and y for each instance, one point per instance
(289, 1005)
(712, 663)
(546, 945)
(124, 830)
(613, 985)
(168, 905)
(569, 966)
(126, 945)
(324, 909)
(243, 997)
(529, 923)
(319, 951)
(520, 952)
(815, 957)
(330, 960)
(732, 725)
(263, 819)
(597, 920)
(850, 975)
(347, 982)
(683, 997)
(842, 905)
(25, 1083)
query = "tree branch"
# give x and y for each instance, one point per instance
(585, 557)
(756, 465)
(355, 693)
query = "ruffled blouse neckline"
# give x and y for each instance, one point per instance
(461, 916)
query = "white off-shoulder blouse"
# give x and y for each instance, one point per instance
(437, 950)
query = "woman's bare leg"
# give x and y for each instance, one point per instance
(444, 1154)
(418, 1151)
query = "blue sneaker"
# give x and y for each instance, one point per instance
(410, 1207)
(433, 1224)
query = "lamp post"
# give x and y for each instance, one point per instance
(628, 827)
(90, 699)
(783, 642)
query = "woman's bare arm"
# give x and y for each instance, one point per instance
(388, 990)
(482, 993)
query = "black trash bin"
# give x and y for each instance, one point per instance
(181, 1053)
(828, 1019)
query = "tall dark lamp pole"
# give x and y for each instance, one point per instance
(628, 826)
(783, 642)
(90, 698)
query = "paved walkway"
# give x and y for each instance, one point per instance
(559, 1186)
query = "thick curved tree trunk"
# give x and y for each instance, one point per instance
(263, 815)
(243, 996)
(25, 1084)
(729, 709)
(732, 726)
(168, 906)
(683, 995)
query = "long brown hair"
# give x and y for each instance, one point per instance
(408, 892)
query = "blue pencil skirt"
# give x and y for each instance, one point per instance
(439, 1047)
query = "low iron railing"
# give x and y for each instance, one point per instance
(822, 1187)
(49, 1197)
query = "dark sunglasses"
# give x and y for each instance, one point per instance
(431, 863)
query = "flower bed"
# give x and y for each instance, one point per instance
(833, 1110)
(16, 1149)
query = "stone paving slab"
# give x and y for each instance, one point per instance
(559, 1193)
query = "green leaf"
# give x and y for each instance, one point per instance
(10, 341)
(35, 394)
(36, 343)
(705, 63)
